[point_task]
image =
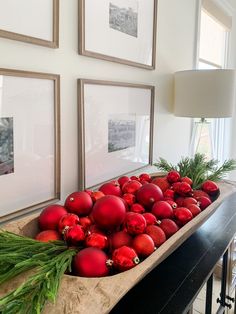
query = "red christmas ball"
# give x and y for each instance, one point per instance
(183, 215)
(150, 219)
(135, 223)
(95, 229)
(162, 183)
(79, 203)
(188, 200)
(48, 235)
(184, 189)
(137, 208)
(50, 217)
(136, 178)
(173, 176)
(210, 188)
(195, 210)
(172, 203)
(199, 193)
(95, 195)
(157, 234)
(97, 240)
(67, 220)
(119, 239)
(111, 188)
(145, 177)
(123, 180)
(162, 209)
(85, 222)
(187, 180)
(204, 202)
(143, 245)
(169, 193)
(129, 198)
(74, 235)
(109, 212)
(90, 262)
(131, 187)
(169, 227)
(148, 194)
(124, 258)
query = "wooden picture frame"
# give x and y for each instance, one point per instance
(111, 35)
(31, 21)
(29, 141)
(105, 108)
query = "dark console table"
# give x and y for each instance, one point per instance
(173, 285)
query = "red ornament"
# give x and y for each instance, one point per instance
(198, 193)
(143, 245)
(179, 201)
(111, 188)
(95, 195)
(135, 223)
(145, 177)
(184, 189)
(74, 235)
(123, 180)
(48, 235)
(109, 212)
(175, 186)
(119, 239)
(187, 180)
(169, 227)
(210, 188)
(137, 208)
(89, 192)
(162, 183)
(85, 222)
(124, 258)
(148, 194)
(50, 217)
(195, 210)
(169, 193)
(91, 262)
(79, 203)
(204, 202)
(162, 209)
(67, 220)
(157, 234)
(172, 203)
(188, 200)
(131, 187)
(134, 178)
(97, 240)
(183, 215)
(129, 198)
(150, 219)
(95, 229)
(173, 176)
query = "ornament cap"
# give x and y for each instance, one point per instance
(136, 260)
(109, 262)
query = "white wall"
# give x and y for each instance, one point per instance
(175, 51)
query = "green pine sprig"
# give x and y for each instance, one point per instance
(198, 168)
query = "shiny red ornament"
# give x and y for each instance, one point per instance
(172, 203)
(123, 180)
(90, 262)
(150, 219)
(74, 235)
(67, 220)
(195, 209)
(145, 177)
(179, 201)
(187, 180)
(97, 240)
(198, 193)
(188, 200)
(169, 227)
(131, 187)
(111, 188)
(109, 212)
(95, 195)
(135, 223)
(137, 208)
(85, 222)
(119, 239)
(162, 183)
(183, 215)
(129, 198)
(162, 209)
(184, 189)
(50, 217)
(148, 194)
(173, 176)
(169, 193)
(157, 234)
(136, 178)
(79, 203)
(210, 188)
(124, 258)
(48, 235)
(143, 245)
(204, 202)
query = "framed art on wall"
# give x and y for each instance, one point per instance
(31, 21)
(116, 129)
(122, 31)
(29, 141)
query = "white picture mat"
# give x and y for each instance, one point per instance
(100, 101)
(30, 102)
(100, 38)
(32, 18)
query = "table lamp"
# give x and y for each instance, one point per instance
(204, 94)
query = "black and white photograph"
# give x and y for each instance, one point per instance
(6, 146)
(121, 133)
(123, 17)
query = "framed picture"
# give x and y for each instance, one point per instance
(116, 129)
(122, 31)
(31, 21)
(29, 141)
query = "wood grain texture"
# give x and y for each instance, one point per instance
(79, 295)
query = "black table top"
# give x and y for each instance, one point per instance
(174, 284)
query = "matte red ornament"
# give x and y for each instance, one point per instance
(109, 212)
(50, 217)
(169, 227)
(124, 258)
(157, 234)
(119, 239)
(148, 194)
(150, 219)
(79, 203)
(74, 235)
(111, 188)
(136, 178)
(137, 208)
(183, 215)
(67, 220)
(143, 245)
(129, 198)
(97, 240)
(162, 183)
(135, 223)
(123, 180)
(48, 235)
(162, 209)
(90, 262)
(173, 176)
(131, 187)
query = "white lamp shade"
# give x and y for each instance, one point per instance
(204, 93)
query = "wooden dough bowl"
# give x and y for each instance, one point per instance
(80, 295)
